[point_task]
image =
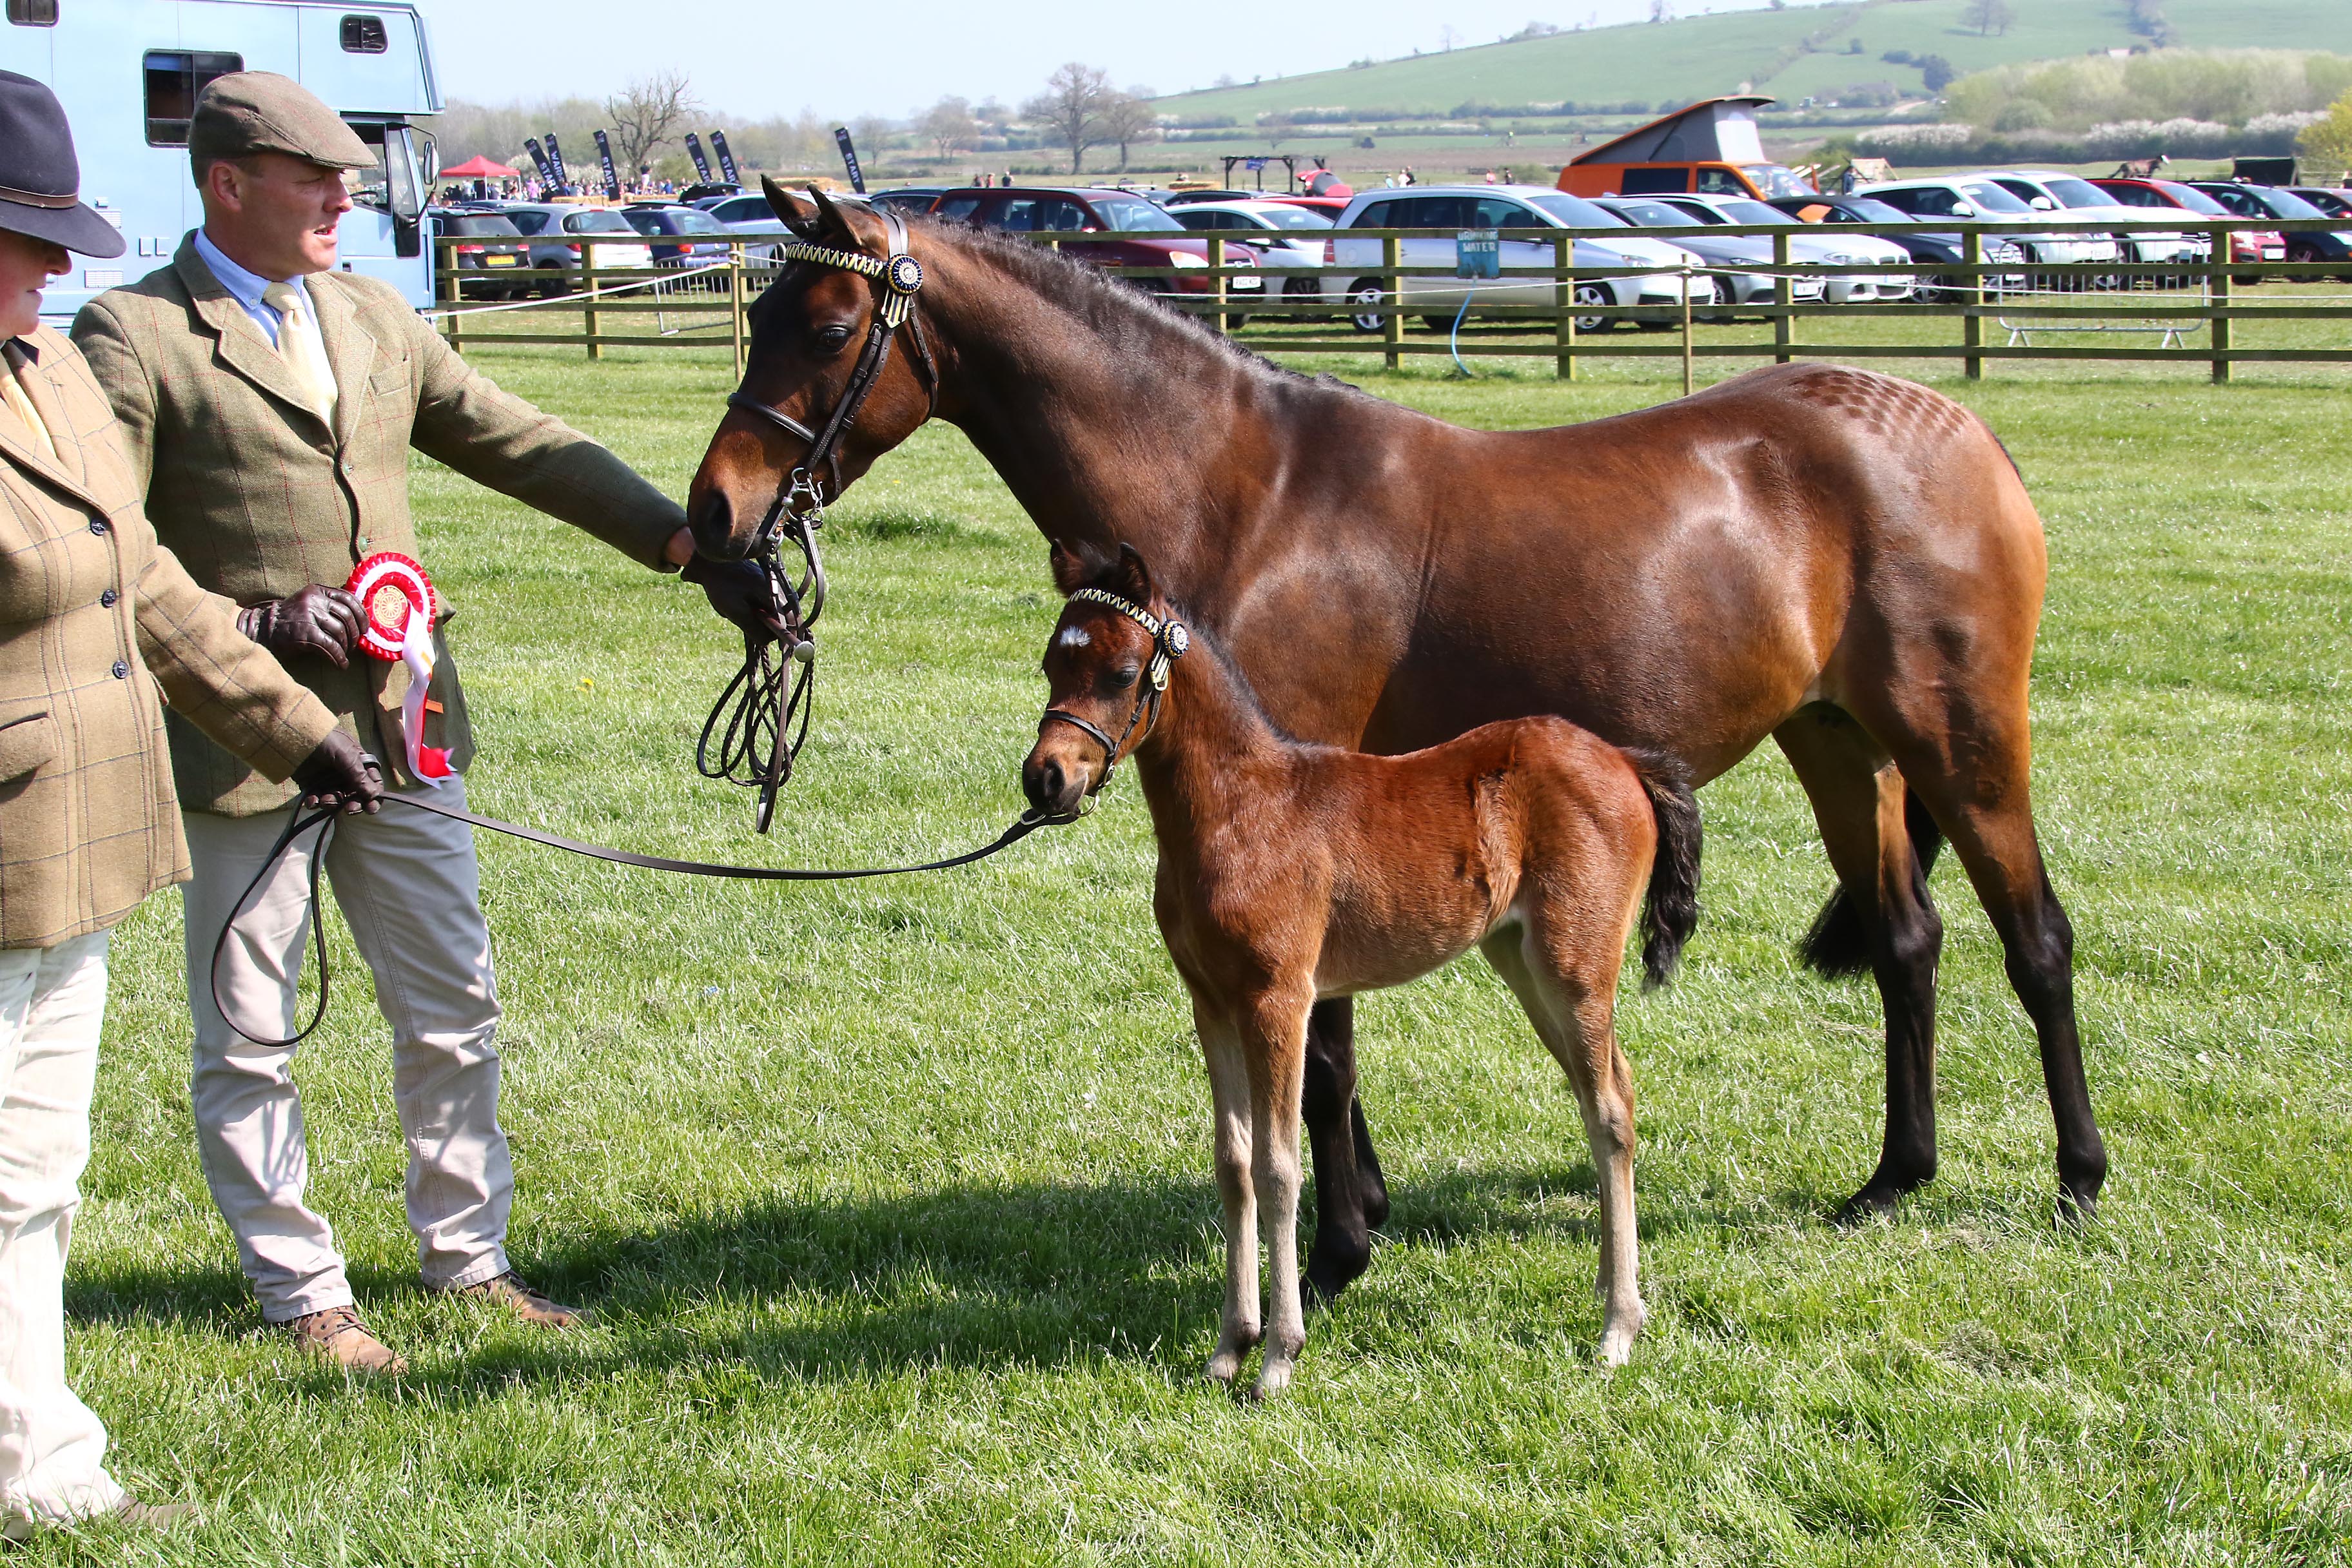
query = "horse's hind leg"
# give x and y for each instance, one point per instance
(1570, 999)
(1351, 1199)
(1858, 803)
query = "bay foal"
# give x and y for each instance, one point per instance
(1290, 872)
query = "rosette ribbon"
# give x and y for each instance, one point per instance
(410, 642)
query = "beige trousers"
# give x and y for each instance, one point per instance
(409, 888)
(52, 1003)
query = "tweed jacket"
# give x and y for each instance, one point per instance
(260, 498)
(99, 626)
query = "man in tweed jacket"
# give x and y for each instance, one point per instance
(269, 402)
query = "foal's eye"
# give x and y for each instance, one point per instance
(1124, 677)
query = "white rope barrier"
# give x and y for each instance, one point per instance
(574, 297)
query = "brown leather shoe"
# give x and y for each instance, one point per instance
(509, 1291)
(338, 1334)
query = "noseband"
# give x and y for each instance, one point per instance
(1169, 641)
(767, 705)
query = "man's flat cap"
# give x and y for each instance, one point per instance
(261, 112)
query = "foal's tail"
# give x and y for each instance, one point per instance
(1670, 912)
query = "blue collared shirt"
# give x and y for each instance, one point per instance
(247, 287)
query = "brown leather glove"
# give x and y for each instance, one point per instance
(739, 591)
(320, 619)
(338, 773)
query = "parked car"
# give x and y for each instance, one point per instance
(751, 216)
(908, 200)
(1149, 236)
(1455, 207)
(1185, 198)
(2063, 194)
(2171, 196)
(2247, 200)
(1975, 196)
(1329, 206)
(488, 250)
(1282, 236)
(709, 191)
(2334, 202)
(1735, 257)
(559, 234)
(1925, 249)
(681, 235)
(1816, 250)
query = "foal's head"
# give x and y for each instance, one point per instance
(1107, 675)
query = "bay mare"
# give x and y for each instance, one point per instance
(1291, 872)
(1842, 561)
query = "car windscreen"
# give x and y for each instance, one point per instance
(1575, 211)
(1130, 215)
(2283, 203)
(2073, 193)
(2334, 204)
(645, 220)
(687, 220)
(478, 224)
(1989, 197)
(1290, 217)
(1653, 215)
(1864, 209)
(596, 223)
(2192, 198)
(1740, 211)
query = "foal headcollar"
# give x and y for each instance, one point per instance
(1169, 641)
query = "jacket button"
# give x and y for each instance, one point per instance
(107, 599)
(122, 670)
(349, 467)
(97, 525)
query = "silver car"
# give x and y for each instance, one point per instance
(1453, 208)
(1971, 197)
(1281, 235)
(1742, 262)
(561, 233)
(1828, 252)
(2063, 194)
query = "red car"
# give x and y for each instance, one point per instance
(2245, 243)
(1154, 239)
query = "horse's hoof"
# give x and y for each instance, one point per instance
(1271, 1382)
(1880, 1198)
(1616, 1350)
(2076, 1209)
(1223, 1368)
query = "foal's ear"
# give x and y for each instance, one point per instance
(1134, 576)
(1069, 572)
(798, 213)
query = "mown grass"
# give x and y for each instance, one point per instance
(892, 1198)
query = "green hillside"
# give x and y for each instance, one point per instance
(1697, 56)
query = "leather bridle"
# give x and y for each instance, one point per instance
(1170, 642)
(768, 706)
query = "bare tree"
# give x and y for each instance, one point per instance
(1988, 17)
(644, 114)
(1072, 107)
(1128, 117)
(948, 125)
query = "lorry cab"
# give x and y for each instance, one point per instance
(1711, 148)
(127, 73)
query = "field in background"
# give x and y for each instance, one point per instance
(894, 1201)
(1695, 56)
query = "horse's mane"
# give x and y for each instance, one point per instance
(1124, 317)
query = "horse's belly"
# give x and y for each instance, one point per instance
(1402, 947)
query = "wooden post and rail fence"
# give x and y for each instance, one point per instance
(1559, 308)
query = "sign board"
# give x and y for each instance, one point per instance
(1478, 253)
(849, 159)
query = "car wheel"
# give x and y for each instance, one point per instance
(1726, 301)
(1366, 300)
(1592, 296)
(1306, 291)
(1235, 321)
(1442, 323)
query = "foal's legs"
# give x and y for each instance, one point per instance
(1229, 1089)
(1857, 797)
(1351, 1199)
(1570, 998)
(1273, 1045)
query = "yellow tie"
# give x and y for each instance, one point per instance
(300, 345)
(22, 407)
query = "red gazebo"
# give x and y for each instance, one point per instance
(479, 168)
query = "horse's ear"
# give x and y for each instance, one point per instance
(799, 214)
(1134, 575)
(831, 221)
(1069, 572)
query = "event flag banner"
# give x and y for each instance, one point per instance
(694, 150)
(849, 159)
(726, 159)
(555, 157)
(538, 157)
(604, 156)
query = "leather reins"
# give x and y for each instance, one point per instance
(768, 706)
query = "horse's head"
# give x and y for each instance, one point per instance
(808, 332)
(1105, 672)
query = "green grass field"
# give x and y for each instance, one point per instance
(1695, 56)
(892, 1199)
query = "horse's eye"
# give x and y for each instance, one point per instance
(832, 337)
(1124, 677)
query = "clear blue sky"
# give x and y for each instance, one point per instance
(849, 58)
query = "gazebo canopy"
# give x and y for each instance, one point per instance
(477, 168)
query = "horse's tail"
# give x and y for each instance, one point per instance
(1836, 946)
(1670, 910)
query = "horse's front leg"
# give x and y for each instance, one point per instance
(1274, 1045)
(1229, 1089)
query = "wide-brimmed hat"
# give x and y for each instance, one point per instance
(40, 179)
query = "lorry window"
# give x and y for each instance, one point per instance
(33, 13)
(1640, 182)
(364, 35)
(175, 77)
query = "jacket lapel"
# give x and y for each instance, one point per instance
(67, 472)
(350, 351)
(242, 346)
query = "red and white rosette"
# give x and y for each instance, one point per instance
(408, 640)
